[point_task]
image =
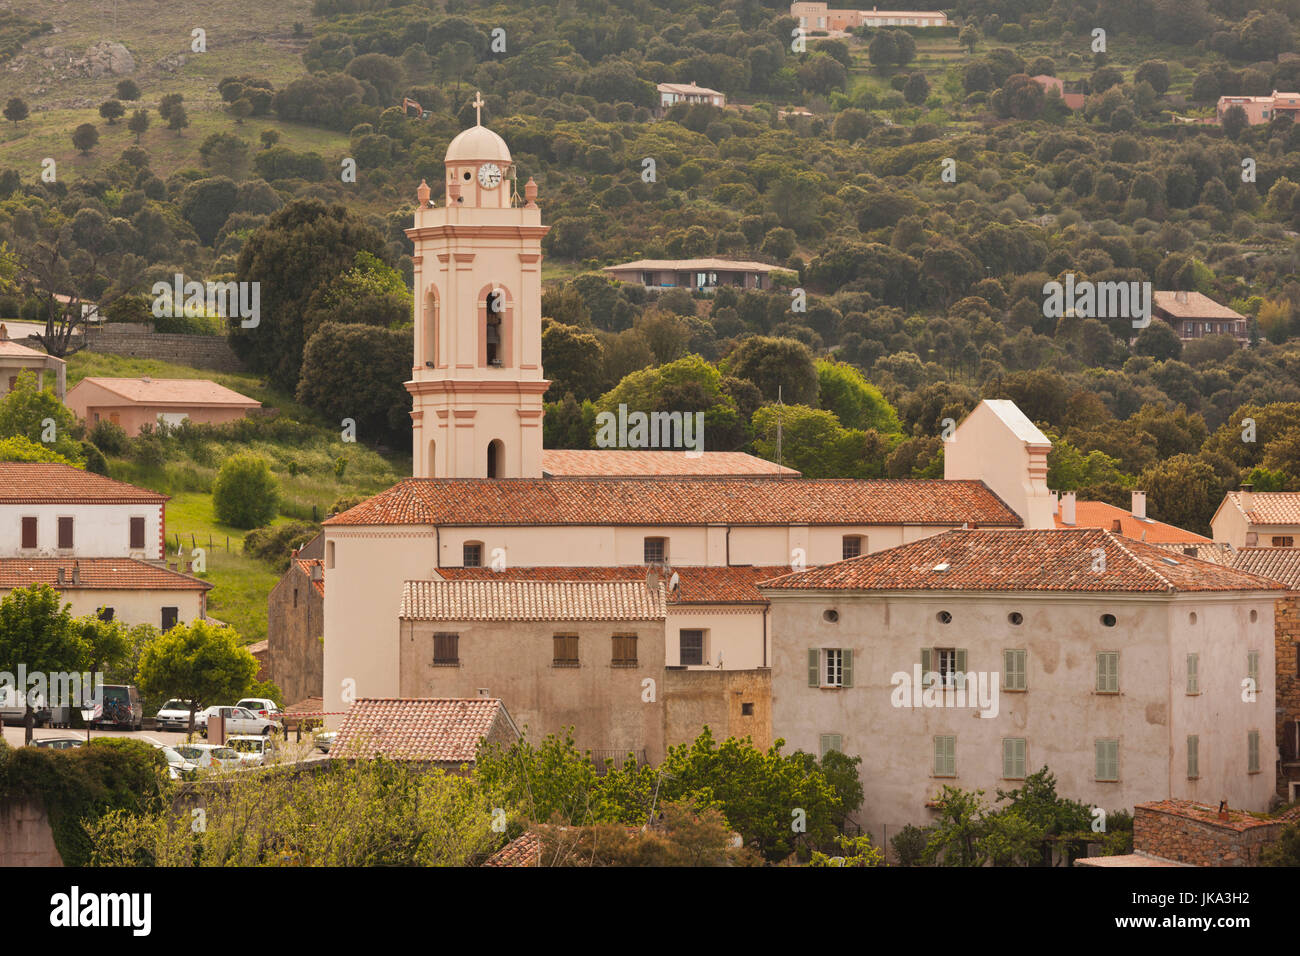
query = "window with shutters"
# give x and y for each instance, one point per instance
(1193, 757)
(137, 534)
(830, 742)
(1013, 758)
(624, 650)
(446, 649)
(566, 650)
(65, 533)
(945, 756)
(1193, 674)
(830, 667)
(851, 546)
(1013, 669)
(29, 532)
(1108, 760)
(692, 648)
(472, 554)
(1108, 672)
(1252, 669)
(946, 665)
(1252, 752)
(1284, 541)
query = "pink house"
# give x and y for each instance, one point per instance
(1074, 101)
(135, 402)
(1261, 109)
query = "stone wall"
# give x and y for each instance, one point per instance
(295, 623)
(1286, 630)
(1186, 833)
(141, 341)
(718, 698)
(25, 835)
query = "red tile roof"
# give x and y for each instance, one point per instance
(990, 560)
(1269, 507)
(35, 483)
(172, 391)
(440, 729)
(523, 850)
(1238, 820)
(97, 574)
(617, 463)
(1100, 514)
(506, 600)
(1196, 306)
(1280, 564)
(1216, 552)
(680, 501)
(696, 585)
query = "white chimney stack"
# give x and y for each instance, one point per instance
(1067, 508)
(1139, 504)
(1247, 497)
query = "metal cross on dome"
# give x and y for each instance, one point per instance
(478, 108)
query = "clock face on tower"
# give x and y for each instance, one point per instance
(489, 175)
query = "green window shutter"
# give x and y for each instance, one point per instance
(1252, 751)
(1020, 757)
(846, 668)
(830, 742)
(1107, 759)
(1013, 757)
(945, 756)
(927, 663)
(1013, 666)
(1007, 757)
(1193, 757)
(961, 667)
(1252, 668)
(814, 667)
(1108, 672)
(1193, 675)
(1101, 672)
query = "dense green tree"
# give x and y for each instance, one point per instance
(111, 110)
(245, 494)
(37, 632)
(15, 110)
(781, 368)
(197, 662)
(85, 138)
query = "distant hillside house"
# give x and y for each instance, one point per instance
(16, 359)
(815, 16)
(135, 402)
(1194, 316)
(1258, 519)
(1261, 109)
(693, 273)
(670, 94)
(1074, 101)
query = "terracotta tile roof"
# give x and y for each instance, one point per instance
(989, 560)
(680, 501)
(1197, 306)
(97, 574)
(498, 600)
(523, 850)
(1238, 820)
(696, 585)
(691, 265)
(305, 565)
(438, 729)
(172, 391)
(35, 483)
(1216, 552)
(10, 348)
(568, 463)
(1100, 514)
(1269, 507)
(308, 705)
(1280, 564)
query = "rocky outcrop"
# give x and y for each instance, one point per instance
(106, 58)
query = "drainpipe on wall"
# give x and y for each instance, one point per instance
(765, 610)
(728, 545)
(437, 546)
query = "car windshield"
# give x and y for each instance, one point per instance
(251, 704)
(190, 753)
(246, 746)
(176, 705)
(172, 755)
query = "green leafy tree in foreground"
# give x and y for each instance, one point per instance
(197, 662)
(37, 632)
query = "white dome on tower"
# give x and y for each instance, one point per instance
(478, 144)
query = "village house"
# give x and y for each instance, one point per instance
(441, 733)
(816, 16)
(16, 359)
(1194, 316)
(1263, 519)
(1260, 109)
(1133, 523)
(1112, 662)
(57, 511)
(135, 403)
(671, 94)
(1074, 101)
(694, 274)
(121, 589)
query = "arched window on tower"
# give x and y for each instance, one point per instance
(495, 454)
(430, 331)
(432, 470)
(496, 315)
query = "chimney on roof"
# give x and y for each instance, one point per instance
(4, 332)
(1247, 496)
(1139, 504)
(1181, 296)
(76, 571)
(1117, 526)
(316, 573)
(293, 553)
(1067, 508)
(58, 578)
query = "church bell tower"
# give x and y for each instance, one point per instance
(477, 385)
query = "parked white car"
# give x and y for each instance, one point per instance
(175, 715)
(239, 720)
(254, 750)
(262, 706)
(177, 766)
(208, 756)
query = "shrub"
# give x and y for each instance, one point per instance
(245, 493)
(273, 544)
(109, 437)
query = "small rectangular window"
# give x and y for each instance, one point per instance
(29, 532)
(137, 534)
(1108, 759)
(1193, 757)
(106, 613)
(945, 756)
(1013, 758)
(747, 710)
(1252, 752)
(1193, 675)
(692, 653)
(446, 650)
(472, 554)
(65, 533)
(830, 742)
(1108, 672)
(1013, 669)
(656, 550)
(624, 650)
(1283, 541)
(170, 615)
(832, 667)
(566, 650)
(851, 546)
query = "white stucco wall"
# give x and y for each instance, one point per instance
(134, 606)
(98, 530)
